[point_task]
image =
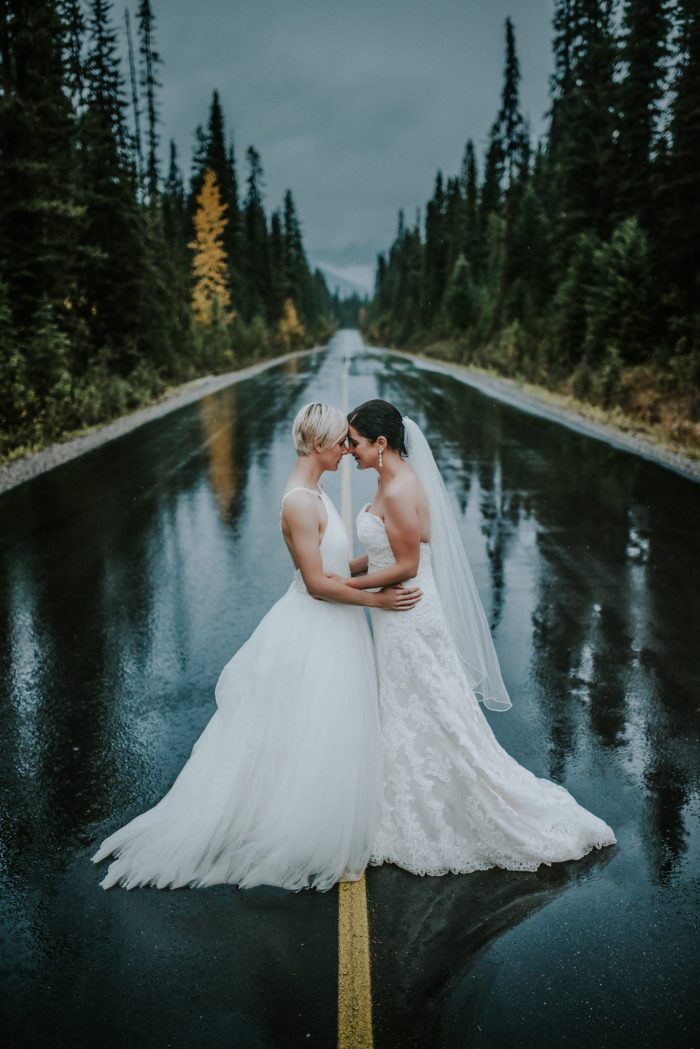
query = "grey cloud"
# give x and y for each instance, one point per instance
(352, 106)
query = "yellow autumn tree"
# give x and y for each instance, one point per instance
(210, 293)
(291, 328)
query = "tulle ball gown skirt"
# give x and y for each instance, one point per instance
(282, 786)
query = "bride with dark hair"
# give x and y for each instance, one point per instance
(452, 798)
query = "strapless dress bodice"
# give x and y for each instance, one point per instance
(372, 535)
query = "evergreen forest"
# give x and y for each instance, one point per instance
(120, 277)
(572, 263)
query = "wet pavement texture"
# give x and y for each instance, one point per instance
(130, 576)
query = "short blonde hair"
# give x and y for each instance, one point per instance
(317, 423)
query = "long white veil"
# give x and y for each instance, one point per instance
(455, 584)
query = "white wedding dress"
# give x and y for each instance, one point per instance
(282, 786)
(453, 799)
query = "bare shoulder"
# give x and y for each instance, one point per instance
(404, 488)
(302, 507)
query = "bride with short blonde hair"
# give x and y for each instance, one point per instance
(282, 786)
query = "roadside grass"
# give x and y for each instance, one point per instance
(652, 404)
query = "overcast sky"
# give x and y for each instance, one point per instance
(353, 106)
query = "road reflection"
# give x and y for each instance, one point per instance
(218, 414)
(615, 580)
(129, 577)
(431, 991)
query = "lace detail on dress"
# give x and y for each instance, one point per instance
(453, 799)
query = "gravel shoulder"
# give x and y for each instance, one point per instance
(505, 390)
(530, 399)
(29, 466)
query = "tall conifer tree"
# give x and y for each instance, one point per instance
(150, 60)
(40, 211)
(680, 178)
(644, 50)
(257, 248)
(435, 254)
(122, 288)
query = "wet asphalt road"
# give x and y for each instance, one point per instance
(131, 575)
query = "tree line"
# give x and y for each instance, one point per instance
(117, 278)
(576, 262)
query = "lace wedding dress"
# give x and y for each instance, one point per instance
(281, 787)
(453, 799)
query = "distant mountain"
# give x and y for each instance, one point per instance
(344, 285)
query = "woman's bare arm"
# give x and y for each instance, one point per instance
(403, 532)
(303, 522)
(358, 565)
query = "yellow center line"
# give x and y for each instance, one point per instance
(354, 977)
(354, 974)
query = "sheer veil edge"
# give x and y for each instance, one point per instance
(464, 612)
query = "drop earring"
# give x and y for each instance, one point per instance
(380, 459)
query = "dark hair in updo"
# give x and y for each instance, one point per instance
(377, 418)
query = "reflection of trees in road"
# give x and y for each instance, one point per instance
(218, 413)
(100, 666)
(582, 634)
(610, 639)
(83, 572)
(502, 506)
(666, 551)
(428, 934)
(240, 424)
(670, 789)
(96, 597)
(614, 626)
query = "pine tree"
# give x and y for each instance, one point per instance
(620, 300)
(150, 60)
(121, 294)
(403, 285)
(296, 268)
(470, 190)
(173, 203)
(529, 279)
(460, 296)
(644, 50)
(176, 227)
(512, 126)
(679, 194)
(435, 254)
(514, 137)
(582, 128)
(17, 398)
(135, 102)
(48, 373)
(278, 288)
(490, 198)
(570, 307)
(257, 248)
(210, 293)
(454, 222)
(40, 211)
(380, 302)
(74, 27)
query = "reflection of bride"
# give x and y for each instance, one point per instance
(453, 799)
(281, 787)
(436, 990)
